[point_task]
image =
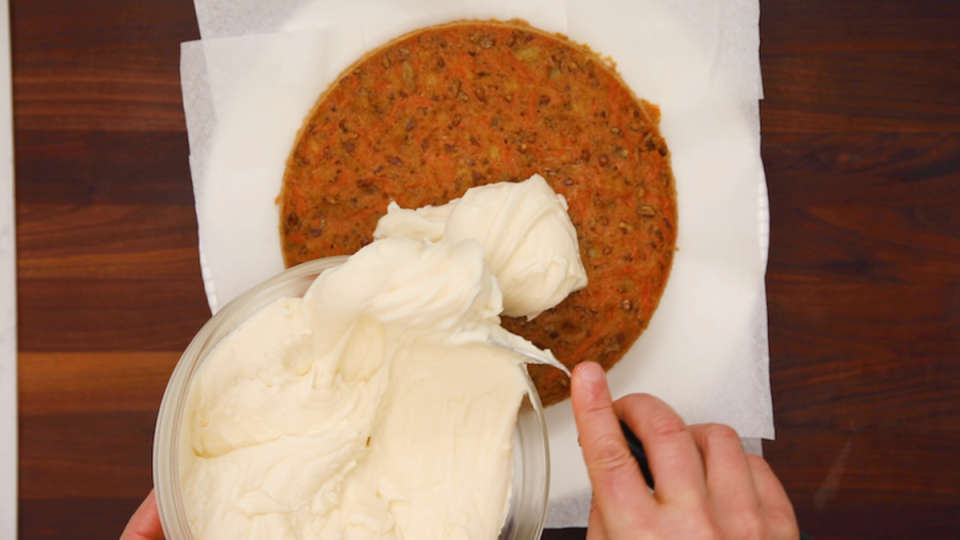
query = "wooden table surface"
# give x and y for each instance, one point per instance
(861, 142)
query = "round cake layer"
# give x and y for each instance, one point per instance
(438, 111)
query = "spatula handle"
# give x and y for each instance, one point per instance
(637, 450)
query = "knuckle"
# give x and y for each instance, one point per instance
(634, 401)
(782, 524)
(713, 436)
(665, 424)
(609, 455)
(719, 431)
(750, 526)
(758, 464)
(590, 410)
(594, 409)
(703, 526)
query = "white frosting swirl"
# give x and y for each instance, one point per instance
(527, 237)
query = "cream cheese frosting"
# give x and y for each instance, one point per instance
(526, 234)
(375, 406)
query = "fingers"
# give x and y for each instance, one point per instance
(706, 485)
(781, 520)
(725, 464)
(673, 455)
(730, 483)
(145, 522)
(618, 487)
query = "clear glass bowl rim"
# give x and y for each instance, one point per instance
(530, 490)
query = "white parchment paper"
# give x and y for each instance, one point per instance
(251, 80)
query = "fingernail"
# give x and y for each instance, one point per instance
(590, 371)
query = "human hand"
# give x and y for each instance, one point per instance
(144, 524)
(707, 487)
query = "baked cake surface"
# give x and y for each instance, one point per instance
(446, 108)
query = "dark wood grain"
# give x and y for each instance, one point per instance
(868, 483)
(109, 65)
(76, 517)
(77, 454)
(861, 144)
(108, 278)
(103, 168)
(872, 170)
(109, 289)
(93, 382)
(860, 66)
(856, 25)
(861, 91)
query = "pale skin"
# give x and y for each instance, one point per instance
(707, 487)
(145, 522)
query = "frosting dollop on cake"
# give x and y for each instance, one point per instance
(527, 238)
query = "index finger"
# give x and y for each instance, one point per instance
(673, 455)
(618, 486)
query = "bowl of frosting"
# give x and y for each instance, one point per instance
(366, 396)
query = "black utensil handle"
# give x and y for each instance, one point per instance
(637, 450)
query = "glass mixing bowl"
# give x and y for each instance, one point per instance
(531, 470)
